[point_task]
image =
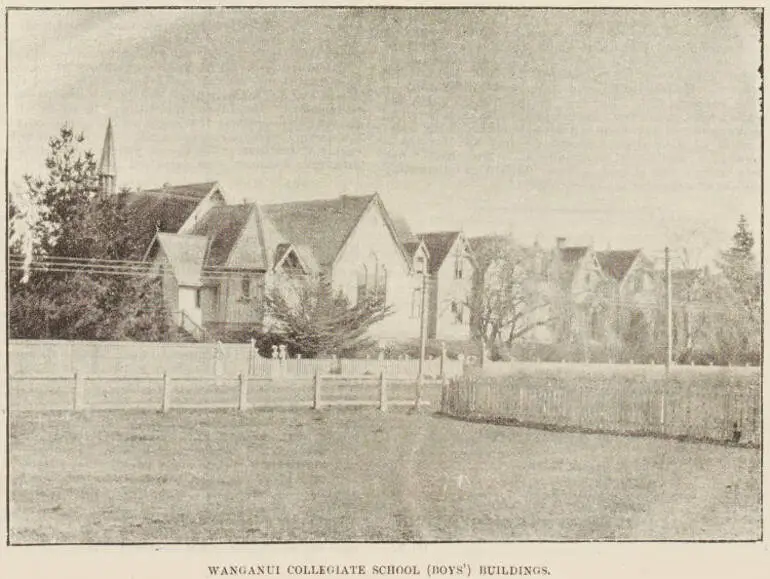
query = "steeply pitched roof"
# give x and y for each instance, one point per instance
(322, 225)
(410, 247)
(193, 191)
(150, 213)
(185, 253)
(572, 255)
(616, 263)
(223, 226)
(403, 230)
(438, 243)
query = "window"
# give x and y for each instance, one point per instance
(458, 311)
(459, 268)
(639, 283)
(416, 305)
(420, 266)
(198, 298)
(363, 280)
(245, 287)
(381, 288)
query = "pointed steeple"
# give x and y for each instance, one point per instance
(107, 171)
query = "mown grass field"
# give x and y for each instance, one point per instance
(362, 475)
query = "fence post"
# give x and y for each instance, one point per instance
(663, 406)
(166, 394)
(77, 402)
(383, 393)
(316, 390)
(580, 405)
(242, 383)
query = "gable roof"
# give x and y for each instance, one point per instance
(402, 228)
(322, 225)
(616, 263)
(572, 255)
(163, 210)
(438, 243)
(192, 191)
(223, 226)
(185, 254)
(411, 247)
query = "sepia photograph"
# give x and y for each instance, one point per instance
(383, 275)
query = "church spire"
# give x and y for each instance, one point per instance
(107, 172)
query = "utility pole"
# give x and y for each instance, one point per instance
(423, 332)
(669, 332)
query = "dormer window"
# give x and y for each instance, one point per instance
(420, 265)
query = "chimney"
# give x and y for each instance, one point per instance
(560, 242)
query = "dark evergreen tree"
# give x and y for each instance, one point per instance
(64, 297)
(315, 320)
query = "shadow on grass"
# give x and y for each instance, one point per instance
(507, 421)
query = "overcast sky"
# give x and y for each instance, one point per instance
(624, 128)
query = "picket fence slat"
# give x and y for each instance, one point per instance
(659, 407)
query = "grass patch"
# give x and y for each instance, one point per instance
(361, 475)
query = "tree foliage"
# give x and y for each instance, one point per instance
(316, 320)
(62, 218)
(512, 295)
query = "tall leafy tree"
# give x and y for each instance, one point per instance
(512, 295)
(65, 217)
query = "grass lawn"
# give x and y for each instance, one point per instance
(361, 475)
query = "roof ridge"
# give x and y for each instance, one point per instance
(317, 200)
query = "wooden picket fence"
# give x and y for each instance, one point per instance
(729, 414)
(163, 392)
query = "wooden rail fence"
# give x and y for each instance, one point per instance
(326, 390)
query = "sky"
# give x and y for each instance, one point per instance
(619, 128)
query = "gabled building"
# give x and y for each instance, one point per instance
(451, 268)
(170, 209)
(250, 249)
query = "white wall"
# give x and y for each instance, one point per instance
(453, 290)
(369, 240)
(187, 303)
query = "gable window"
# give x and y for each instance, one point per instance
(639, 283)
(245, 287)
(291, 263)
(420, 265)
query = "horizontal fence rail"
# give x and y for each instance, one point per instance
(724, 408)
(163, 392)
